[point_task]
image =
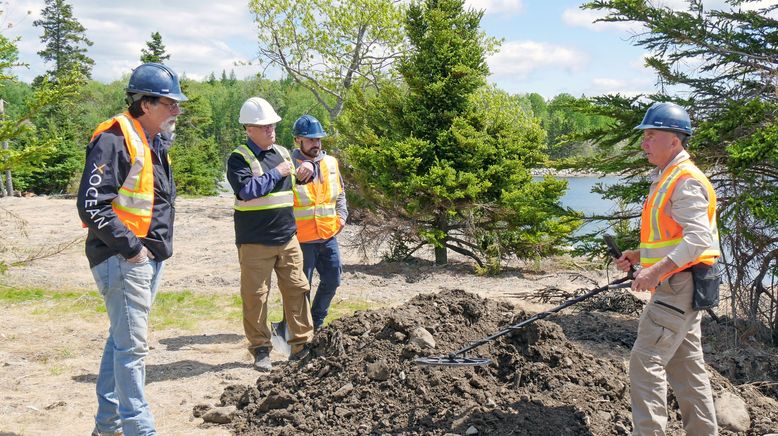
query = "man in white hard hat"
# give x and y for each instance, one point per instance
(261, 174)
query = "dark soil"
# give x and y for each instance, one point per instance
(562, 376)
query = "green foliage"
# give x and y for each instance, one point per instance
(195, 154)
(64, 39)
(155, 50)
(29, 145)
(327, 45)
(564, 124)
(449, 155)
(733, 101)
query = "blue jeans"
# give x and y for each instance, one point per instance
(324, 257)
(128, 290)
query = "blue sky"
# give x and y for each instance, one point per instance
(549, 47)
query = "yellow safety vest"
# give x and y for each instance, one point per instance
(273, 200)
(315, 203)
(134, 203)
(659, 233)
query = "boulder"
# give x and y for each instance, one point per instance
(732, 413)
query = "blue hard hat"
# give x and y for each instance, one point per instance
(666, 116)
(155, 80)
(308, 126)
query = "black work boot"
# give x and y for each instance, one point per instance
(262, 360)
(299, 352)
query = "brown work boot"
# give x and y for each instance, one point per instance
(299, 352)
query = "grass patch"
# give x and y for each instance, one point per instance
(185, 309)
(16, 296)
(341, 308)
(170, 310)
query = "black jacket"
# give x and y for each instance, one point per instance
(107, 166)
(267, 227)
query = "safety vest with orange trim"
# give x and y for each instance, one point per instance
(135, 200)
(273, 200)
(315, 203)
(660, 234)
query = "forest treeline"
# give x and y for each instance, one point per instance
(435, 156)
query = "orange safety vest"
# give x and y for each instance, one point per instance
(659, 233)
(273, 200)
(135, 200)
(315, 203)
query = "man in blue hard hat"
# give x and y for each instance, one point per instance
(126, 200)
(320, 212)
(679, 246)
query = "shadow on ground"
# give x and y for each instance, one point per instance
(416, 270)
(173, 371)
(179, 342)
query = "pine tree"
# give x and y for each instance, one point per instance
(446, 158)
(156, 50)
(64, 38)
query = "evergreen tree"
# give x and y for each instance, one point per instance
(195, 155)
(64, 38)
(155, 51)
(448, 155)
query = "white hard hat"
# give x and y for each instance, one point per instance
(258, 111)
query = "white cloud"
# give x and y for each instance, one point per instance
(588, 18)
(643, 84)
(497, 6)
(518, 59)
(202, 37)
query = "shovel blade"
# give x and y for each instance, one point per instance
(279, 335)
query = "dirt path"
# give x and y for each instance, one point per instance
(49, 360)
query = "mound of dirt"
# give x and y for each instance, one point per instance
(361, 378)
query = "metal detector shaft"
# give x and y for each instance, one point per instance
(620, 283)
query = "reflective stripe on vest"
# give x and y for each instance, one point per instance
(135, 200)
(315, 203)
(273, 200)
(659, 233)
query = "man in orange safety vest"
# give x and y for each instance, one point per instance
(678, 236)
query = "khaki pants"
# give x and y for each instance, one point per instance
(257, 262)
(668, 349)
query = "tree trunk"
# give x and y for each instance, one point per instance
(9, 186)
(441, 255)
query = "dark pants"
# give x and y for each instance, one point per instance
(324, 257)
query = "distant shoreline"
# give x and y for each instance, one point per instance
(564, 173)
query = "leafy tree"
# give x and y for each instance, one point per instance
(155, 50)
(449, 156)
(326, 45)
(733, 100)
(563, 123)
(64, 38)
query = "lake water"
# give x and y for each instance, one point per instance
(580, 197)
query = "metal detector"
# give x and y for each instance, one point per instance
(460, 358)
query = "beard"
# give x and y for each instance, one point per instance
(168, 126)
(312, 152)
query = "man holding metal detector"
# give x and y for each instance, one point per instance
(679, 245)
